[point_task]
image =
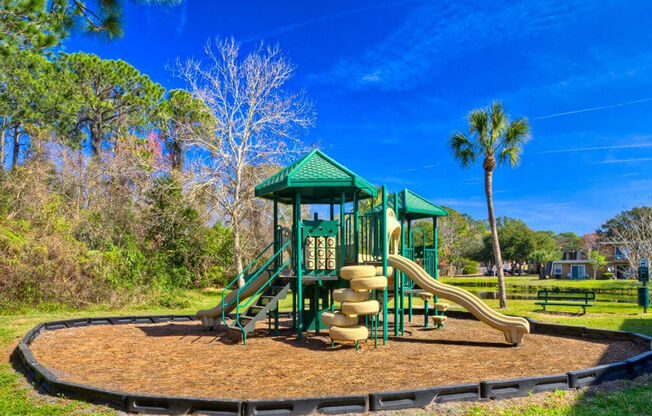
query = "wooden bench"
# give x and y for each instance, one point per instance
(583, 299)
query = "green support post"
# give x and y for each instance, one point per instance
(434, 240)
(385, 253)
(410, 307)
(396, 272)
(316, 306)
(276, 320)
(277, 244)
(342, 250)
(425, 313)
(299, 242)
(356, 227)
(435, 299)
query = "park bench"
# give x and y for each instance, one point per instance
(582, 299)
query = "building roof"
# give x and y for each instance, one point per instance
(318, 178)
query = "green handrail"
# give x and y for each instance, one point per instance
(251, 280)
(252, 297)
(240, 275)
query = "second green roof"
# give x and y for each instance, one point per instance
(412, 206)
(318, 178)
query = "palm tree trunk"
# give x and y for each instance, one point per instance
(488, 174)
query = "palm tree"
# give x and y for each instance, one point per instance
(495, 140)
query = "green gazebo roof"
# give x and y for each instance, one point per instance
(412, 206)
(318, 178)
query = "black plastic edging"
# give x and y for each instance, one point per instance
(518, 387)
(407, 399)
(485, 390)
(309, 405)
(599, 374)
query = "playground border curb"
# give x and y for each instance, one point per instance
(44, 379)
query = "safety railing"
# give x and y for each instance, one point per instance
(371, 240)
(430, 261)
(262, 288)
(241, 274)
(251, 278)
(408, 252)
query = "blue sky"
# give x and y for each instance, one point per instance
(391, 80)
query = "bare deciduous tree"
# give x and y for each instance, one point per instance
(255, 122)
(635, 234)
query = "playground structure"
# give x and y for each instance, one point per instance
(359, 259)
(342, 275)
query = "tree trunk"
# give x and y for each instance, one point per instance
(488, 173)
(177, 155)
(16, 148)
(2, 148)
(96, 139)
(237, 252)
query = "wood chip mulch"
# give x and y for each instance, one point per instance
(183, 359)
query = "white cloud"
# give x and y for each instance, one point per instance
(440, 32)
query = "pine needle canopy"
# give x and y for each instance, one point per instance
(319, 180)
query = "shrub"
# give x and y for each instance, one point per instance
(470, 267)
(607, 275)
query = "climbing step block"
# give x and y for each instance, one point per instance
(354, 333)
(438, 319)
(369, 283)
(369, 307)
(350, 295)
(357, 271)
(441, 307)
(426, 296)
(338, 319)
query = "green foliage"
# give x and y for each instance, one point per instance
(41, 24)
(181, 116)
(569, 241)
(596, 260)
(607, 275)
(112, 98)
(491, 136)
(471, 267)
(615, 226)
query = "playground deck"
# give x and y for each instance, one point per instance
(186, 360)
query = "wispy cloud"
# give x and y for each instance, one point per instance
(591, 148)
(308, 22)
(589, 109)
(421, 168)
(621, 161)
(440, 32)
(183, 18)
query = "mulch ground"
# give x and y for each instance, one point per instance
(183, 359)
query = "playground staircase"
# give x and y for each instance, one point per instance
(265, 304)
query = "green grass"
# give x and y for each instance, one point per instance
(18, 398)
(633, 400)
(532, 281)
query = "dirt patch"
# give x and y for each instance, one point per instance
(183, 359)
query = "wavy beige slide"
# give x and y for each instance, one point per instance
(212, 317)
(513, 327)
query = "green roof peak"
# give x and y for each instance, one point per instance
(413, 206)
(319, 179)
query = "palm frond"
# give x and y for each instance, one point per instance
(462, 149)
(518, 133)
(498, 123)
(510, 155)
(478, 122)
